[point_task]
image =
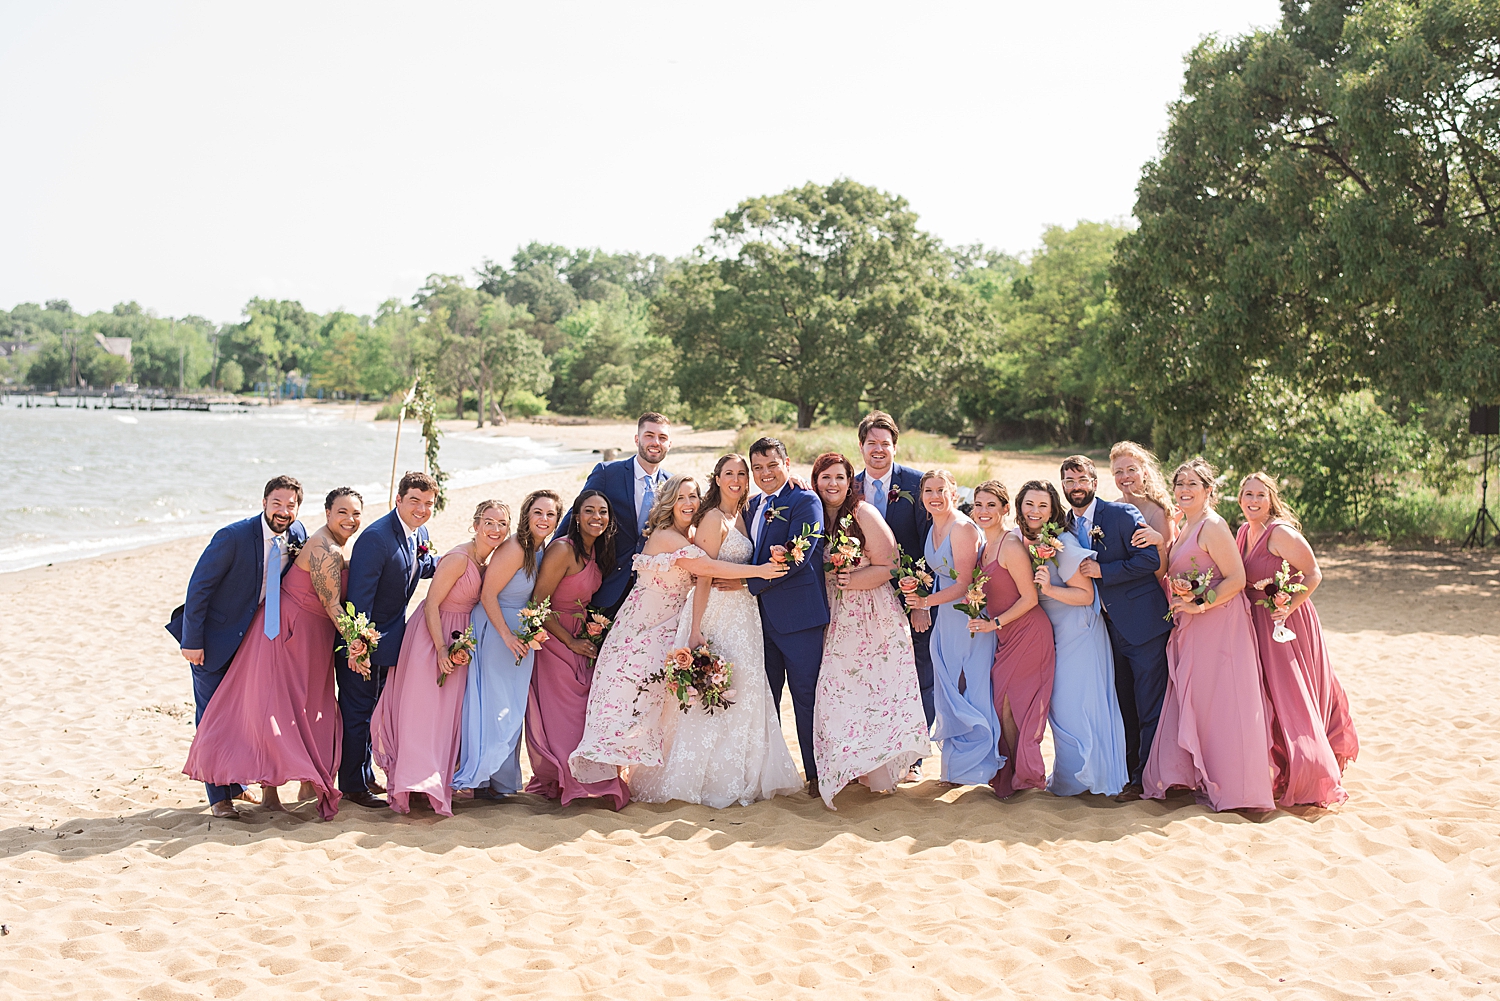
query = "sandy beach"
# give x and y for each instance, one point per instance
(115, 882)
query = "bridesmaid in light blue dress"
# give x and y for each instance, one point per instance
(965, 727)
(495, 696)
(1088, 733)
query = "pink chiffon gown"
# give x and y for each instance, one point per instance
(1312, 733)
(1025, 661)
(414, 731)
(274, 718)
(1215, 730)
(557, 705)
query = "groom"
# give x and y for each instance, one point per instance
(242, 567)
(1135, 607)
(389, 558)
(631, 485)
(794, 608)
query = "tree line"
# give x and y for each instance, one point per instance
(1311, 280)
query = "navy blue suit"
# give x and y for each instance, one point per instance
(222, 597)
(381, 584)
(909, 522)
(793, 608)
(617, 481)
(1135, 609)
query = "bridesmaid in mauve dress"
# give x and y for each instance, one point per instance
(966, 727)
(1312, 733)
(414, 732)
(495, 698)
(1021, 678)
(1215, 732)
(274, 718)
(559, 698)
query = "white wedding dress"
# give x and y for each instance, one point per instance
(737, 755)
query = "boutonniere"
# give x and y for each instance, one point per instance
(897, 494)
(1096, 534)
(423, 549)
(294, 546)
(775, 514)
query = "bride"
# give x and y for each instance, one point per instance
(738, 755)
(625, 728)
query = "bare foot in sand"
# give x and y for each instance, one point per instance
(305, 792)
(271, 799)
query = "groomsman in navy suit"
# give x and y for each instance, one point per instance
(1135, 607)
(896, 492)
(389, 557)
(631, 485)
(242, 567)
(793, 608)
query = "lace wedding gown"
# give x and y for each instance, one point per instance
(738, 755)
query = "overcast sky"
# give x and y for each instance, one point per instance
(190, 156)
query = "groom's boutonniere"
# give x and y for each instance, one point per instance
(897, 494)
(423, 549)
(1096, 534)
(775, 514)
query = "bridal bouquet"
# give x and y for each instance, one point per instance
(974, 599)
(532, 617)
(844, 550)
(697, 675)
(796, 548)
(1045, 548)
(460, 651)
(913, 579)
(1192, 584)
(360, 638)
(1279, 589)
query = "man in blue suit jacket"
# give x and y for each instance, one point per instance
(389, 557)
(1135, 607)
(631, 485)
(793, 608)
(226, 588)
(896, 492)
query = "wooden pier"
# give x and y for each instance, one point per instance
(119, 401)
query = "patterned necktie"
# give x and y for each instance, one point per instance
(647, 500)
(273, 590)
(882, 499)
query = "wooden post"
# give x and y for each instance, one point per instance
(396, 455)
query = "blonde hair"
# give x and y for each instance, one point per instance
(938, 474)
(661, 514)
(1153, 487)
(1200, 468)
(486, 505)
(1279, 509)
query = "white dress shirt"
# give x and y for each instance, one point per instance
(411, 551)
(1087, 514)
(266, 536)
(641, 476)
(760, 514)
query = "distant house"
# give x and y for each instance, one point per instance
(10, 349)
(114, 345)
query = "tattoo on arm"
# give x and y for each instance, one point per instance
(326, 566)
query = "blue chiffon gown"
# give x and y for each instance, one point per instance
(495, 698)
(966, 726)
(1088, 733)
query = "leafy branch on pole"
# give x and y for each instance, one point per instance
(424, 406)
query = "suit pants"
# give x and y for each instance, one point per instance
(1141, 685)
(792, 661)
(357, 698)
(205, 683)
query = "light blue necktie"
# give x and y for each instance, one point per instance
(882, 499)
(1083, 531)
(273, 590)
(647, 500)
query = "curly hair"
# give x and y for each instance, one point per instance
(1153, 486)
(662, 513)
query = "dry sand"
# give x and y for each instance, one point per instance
(114, 882)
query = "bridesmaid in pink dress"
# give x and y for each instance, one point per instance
(1025, 659)
(564, 667)
(1215, 733)
(1312, 733)
(414, 731)
(274, 718)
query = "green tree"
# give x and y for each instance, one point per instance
(509, 359)
(611, 364)
(337, 366)
(827, 297)
(1323, 214)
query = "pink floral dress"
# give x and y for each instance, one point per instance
(626, 726)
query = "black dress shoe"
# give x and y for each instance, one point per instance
(1130, 793)
(365, 799)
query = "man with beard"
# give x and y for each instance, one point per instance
(1135, 606)
(241, 568)
(630, 485)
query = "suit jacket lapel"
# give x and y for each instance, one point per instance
(401, 548)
